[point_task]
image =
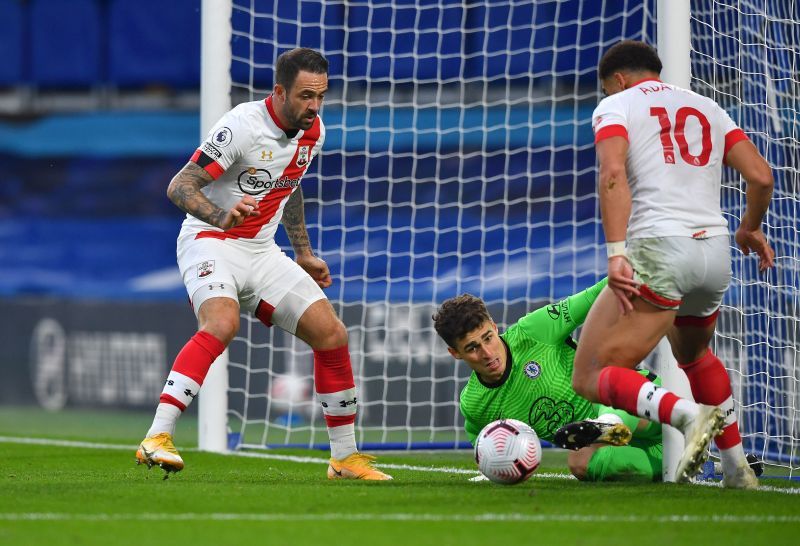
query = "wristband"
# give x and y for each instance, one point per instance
(616, 249)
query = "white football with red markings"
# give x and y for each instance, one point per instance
(508, 451)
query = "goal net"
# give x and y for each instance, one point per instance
(746, 56)
(459, 158)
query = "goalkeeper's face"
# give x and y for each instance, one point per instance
(303, 100)
(483, 351)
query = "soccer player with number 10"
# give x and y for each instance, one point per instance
(661, 150)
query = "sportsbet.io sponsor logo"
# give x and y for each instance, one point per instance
(256, 181)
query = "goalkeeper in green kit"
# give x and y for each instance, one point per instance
(525, 373)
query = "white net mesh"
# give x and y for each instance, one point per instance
(459, 159)
(746, 56)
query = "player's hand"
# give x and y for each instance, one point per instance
(239, 213)
(317, 268)
(755, 241)
(621, 282)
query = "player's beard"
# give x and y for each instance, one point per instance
(305, 122)
(299, 120)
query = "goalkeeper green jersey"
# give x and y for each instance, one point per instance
(536, 387)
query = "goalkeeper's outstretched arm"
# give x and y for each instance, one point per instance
(553, 323)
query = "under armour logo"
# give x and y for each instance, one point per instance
(170, 382)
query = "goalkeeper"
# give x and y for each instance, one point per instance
(526, 374)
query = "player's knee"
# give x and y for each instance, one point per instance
(330, 335)
(684, 355)
(578, 465)
(337, 337)
(223, 327)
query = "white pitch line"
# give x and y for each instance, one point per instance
(246, 454)
(320, 461)
(267, 456)
(768, 488)
(391, 466)
(499, 517)
(61, 443)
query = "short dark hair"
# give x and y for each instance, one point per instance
(629, 55)
(459, 316)
(291, 62)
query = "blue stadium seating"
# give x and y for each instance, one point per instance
(401, 40)
(12, 23)
(152, 42)
(65, 43)
(259, 56)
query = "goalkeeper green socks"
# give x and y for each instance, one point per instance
(625, 464)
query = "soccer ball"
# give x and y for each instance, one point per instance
(508, 451)
(289, 392)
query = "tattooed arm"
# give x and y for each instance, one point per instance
(294, 222)
(184, 191)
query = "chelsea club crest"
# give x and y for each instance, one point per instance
(532, 369)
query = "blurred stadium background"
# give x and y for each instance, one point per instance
(459, 158)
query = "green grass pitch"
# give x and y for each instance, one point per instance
(61, 491)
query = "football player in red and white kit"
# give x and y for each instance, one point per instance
(661, 150)
(242, 181)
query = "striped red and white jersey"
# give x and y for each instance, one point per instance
(678, 141)
(248, 153)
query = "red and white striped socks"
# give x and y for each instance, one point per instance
(336, 391)
(627, 389)
(333, 381)
(711, 385)
(184, 381)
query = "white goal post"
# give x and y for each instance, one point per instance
(215, 100)
(459, 158)
(674, 46)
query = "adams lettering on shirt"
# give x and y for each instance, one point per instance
(677, 145)
(248, 153)
(653, 87)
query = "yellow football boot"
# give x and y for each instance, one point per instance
(357, 466)
(159, 450)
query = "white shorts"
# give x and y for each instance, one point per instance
(681, 273)
(264, 281)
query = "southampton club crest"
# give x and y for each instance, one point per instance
(204, 269)
(302, 156)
